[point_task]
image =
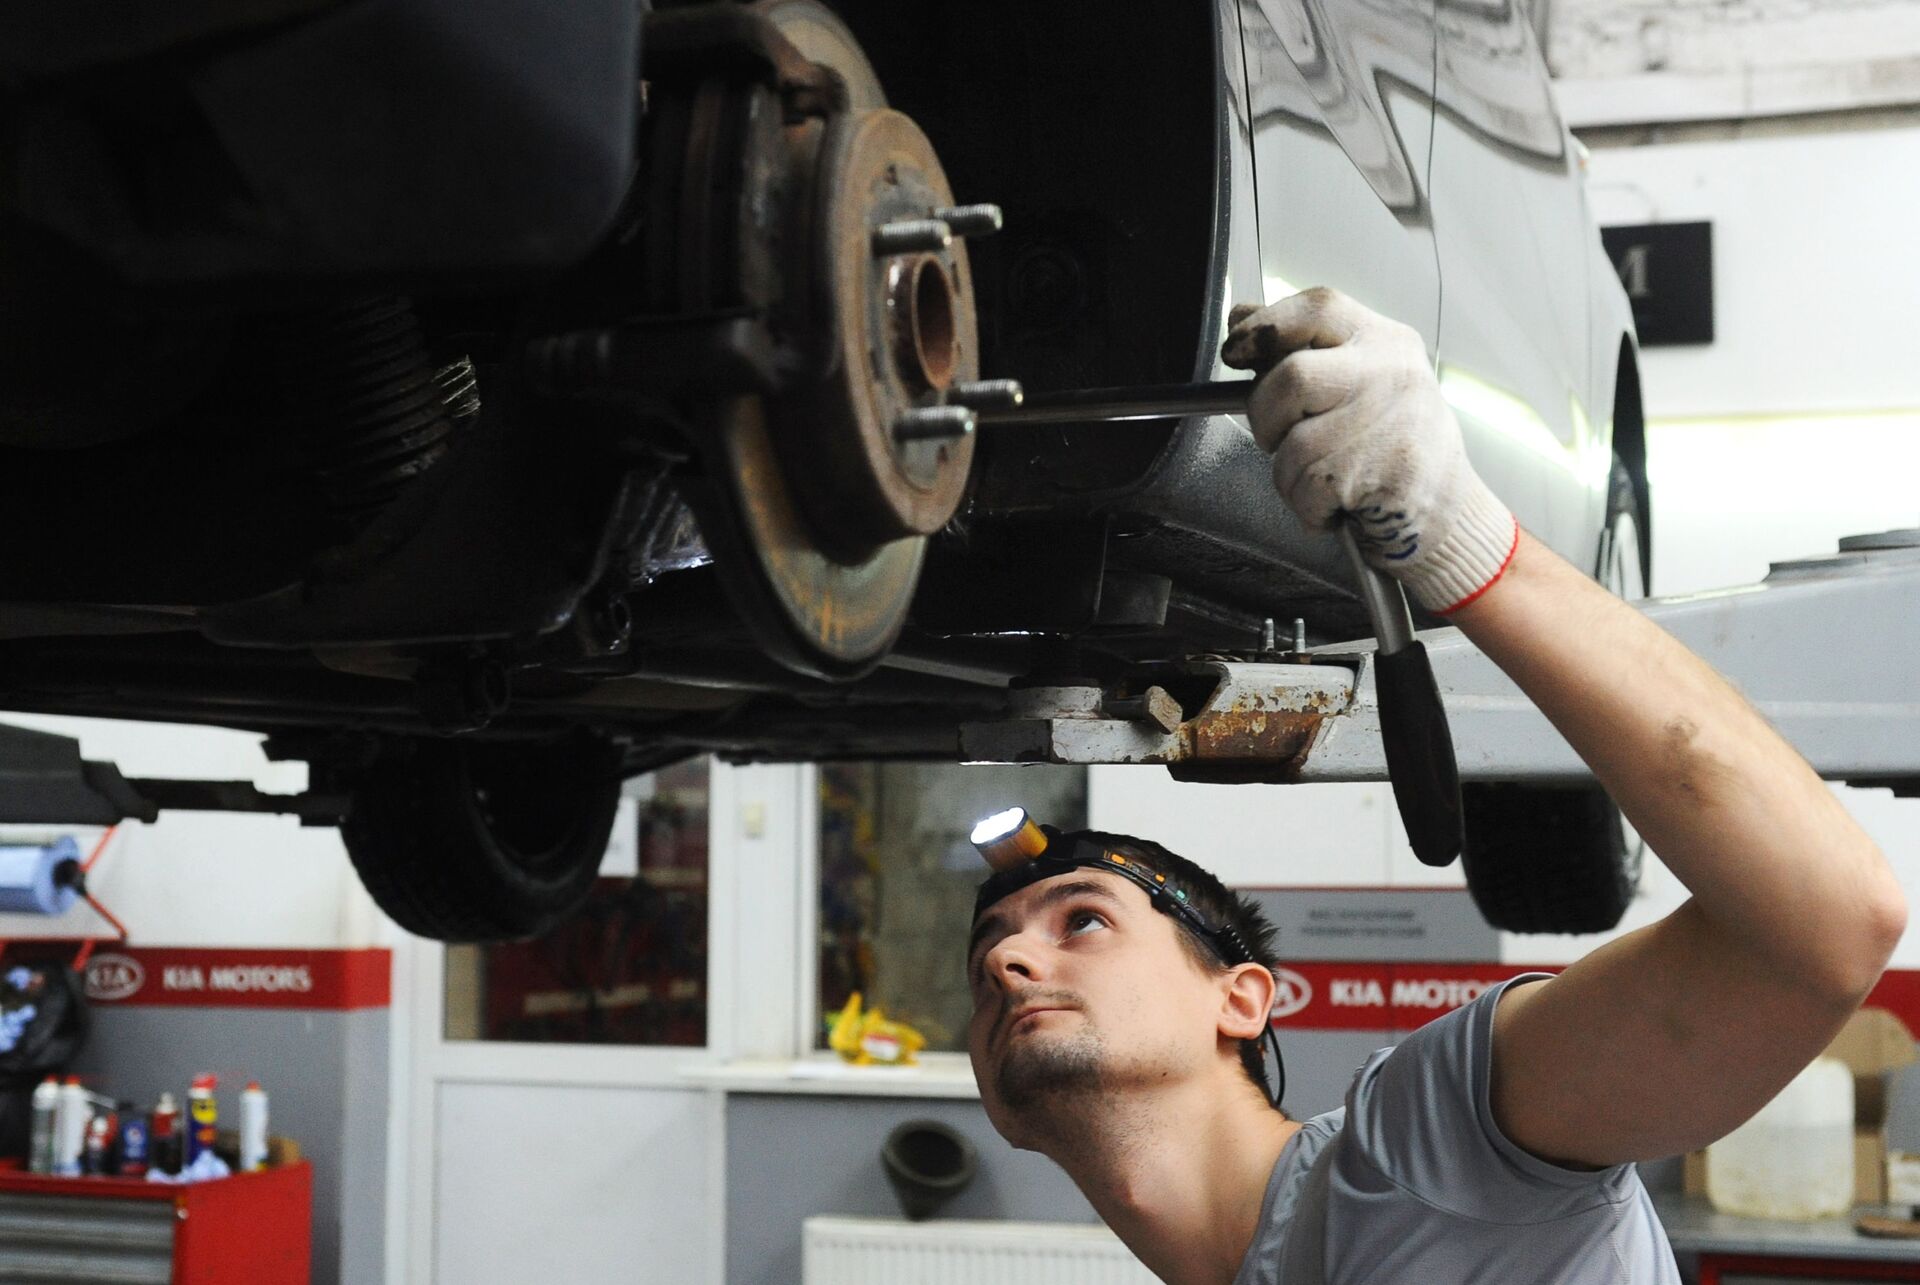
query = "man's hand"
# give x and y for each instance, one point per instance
(1349, 408)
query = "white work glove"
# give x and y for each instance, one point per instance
(1350, 410)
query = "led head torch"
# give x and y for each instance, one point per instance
(1006, 839)
(1023, 852)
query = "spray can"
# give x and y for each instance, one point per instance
(135, 1144)
(97, 1156)
(46, 1100)
(203, 1117)
(70, 1114)
(163, 1144)
(253, 1128)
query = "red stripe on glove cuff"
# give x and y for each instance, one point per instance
(1504, 564)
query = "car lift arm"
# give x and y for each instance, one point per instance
(44, 780)
(1823, 647)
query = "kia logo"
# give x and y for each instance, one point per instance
(1293, 993)
(112, 977)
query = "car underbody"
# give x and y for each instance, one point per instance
(486, 420)
(327, 509)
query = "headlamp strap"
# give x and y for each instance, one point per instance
(1226, 942)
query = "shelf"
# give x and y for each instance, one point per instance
(940, 1075)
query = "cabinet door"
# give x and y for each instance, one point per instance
(1339, 95)
(1516, 249)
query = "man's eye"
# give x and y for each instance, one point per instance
(1080, 920)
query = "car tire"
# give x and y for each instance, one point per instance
(1561, 859)
(476, 841)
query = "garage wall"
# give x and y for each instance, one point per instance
(213, 879)
(211, 883)
(774, 1139)
(587, 1184)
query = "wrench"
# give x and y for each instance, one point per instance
(1413, 720)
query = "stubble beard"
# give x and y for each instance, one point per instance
(1046, 1072)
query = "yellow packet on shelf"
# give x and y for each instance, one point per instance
(869, 1039)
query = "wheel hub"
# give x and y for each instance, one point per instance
(905, 333)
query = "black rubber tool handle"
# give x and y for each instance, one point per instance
(1413, 731)
(1413, 721)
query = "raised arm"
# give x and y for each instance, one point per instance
(1667, 1037)
(1670, 1036)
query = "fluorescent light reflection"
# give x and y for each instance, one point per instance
(1500, 412)
(1732, 495)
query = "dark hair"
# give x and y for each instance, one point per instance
(1216, 903)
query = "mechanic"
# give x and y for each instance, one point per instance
(1117, 1030)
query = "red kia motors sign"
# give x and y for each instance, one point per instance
(1381, 996)
(237, 978)
(1400, 996)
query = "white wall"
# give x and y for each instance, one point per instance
(598, 1186)
(1814, 264)
(1266, 835)
(208, 878)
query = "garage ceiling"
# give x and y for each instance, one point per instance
(1644, 61)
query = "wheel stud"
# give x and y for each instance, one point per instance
(933, 423)
(911, 236)
(987, 394)
(971, 220)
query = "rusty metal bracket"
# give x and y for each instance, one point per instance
(1259, 723)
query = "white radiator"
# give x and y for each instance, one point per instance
(889, 1251)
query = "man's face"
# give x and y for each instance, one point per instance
(1078, 985)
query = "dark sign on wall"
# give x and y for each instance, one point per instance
(1667, 269)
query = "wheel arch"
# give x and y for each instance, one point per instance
(1103, 274)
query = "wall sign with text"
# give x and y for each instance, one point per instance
(1667, 269)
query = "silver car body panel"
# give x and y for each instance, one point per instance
(1489, 251)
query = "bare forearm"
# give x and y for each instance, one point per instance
(1775, 863)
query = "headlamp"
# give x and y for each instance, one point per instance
(1008, 838)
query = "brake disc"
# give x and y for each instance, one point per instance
(818, 228)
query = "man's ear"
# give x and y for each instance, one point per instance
(1247, 1002)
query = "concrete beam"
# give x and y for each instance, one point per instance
(1628, 62)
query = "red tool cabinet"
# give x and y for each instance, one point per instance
(248, 1229)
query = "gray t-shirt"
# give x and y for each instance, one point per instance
(1413, 1181)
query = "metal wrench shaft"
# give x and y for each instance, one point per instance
(1106, 405)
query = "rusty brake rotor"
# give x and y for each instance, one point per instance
(834, 236)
